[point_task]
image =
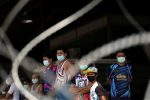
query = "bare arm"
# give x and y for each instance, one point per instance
(69, 69)
(79, 90)
(10, 92)
(86, 89)
(8, 96)
(74, 89)
(103, 98)
(40, 89)
(100, 92)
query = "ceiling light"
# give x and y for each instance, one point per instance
(27, 21)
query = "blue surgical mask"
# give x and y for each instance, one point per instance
(60, 58)
(121, 59)
(34, 80)
(46, 63)
(83, 67)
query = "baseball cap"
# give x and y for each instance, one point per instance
(91, 69)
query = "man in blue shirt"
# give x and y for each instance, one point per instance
(120, 78)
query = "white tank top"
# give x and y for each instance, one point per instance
(93, 95)
(61, 78)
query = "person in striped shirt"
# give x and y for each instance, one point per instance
(64, 73)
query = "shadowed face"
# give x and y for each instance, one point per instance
(60, 52)
(34, 76)
(121, 58)
(61, 55)
(48, 59)
(120, 54)
(91, 76)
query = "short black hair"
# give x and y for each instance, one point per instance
(120, 52)
(47, 54)
(63, 49)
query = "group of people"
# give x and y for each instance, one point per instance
(62, 82)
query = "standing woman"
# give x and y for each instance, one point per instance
(36, 88)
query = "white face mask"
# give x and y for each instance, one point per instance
(46, 63)
(34, 80)
(121, 59)
(26, 86)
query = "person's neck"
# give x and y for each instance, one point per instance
(63, 60)
(93, 82)
(35, 84)
(121, 64)
(49, 66)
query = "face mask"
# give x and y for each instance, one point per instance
(34, 80)
(83, 67)
(60, 58)
(45, 62)
(26, 86)
(121, 59)
(91, 78)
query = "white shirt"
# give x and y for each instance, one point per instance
(93, 95)
(13, 90)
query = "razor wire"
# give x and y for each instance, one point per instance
(120, 44)
(8, 50)
(129, 16)
(3, 75)
(147, 93)
(28, 61)
(41, 37)
(132, 20)
(11, 16)
(139, 28)
(129, 41)
(8, 20)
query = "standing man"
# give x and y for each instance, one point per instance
(48, 73)
(120, 78)
(64, 73)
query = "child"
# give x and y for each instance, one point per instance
(80, 85)
(36, 87)
(96, 91)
